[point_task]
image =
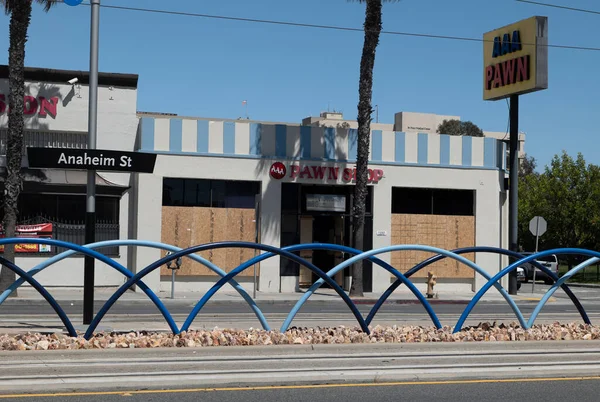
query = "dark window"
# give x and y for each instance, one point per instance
(66, 208)
(290, 198)
(67, 214)
(428, 201)
(241, 194)
(290, 234)
(209, 193)
(173, 192)
(411, 201)
(218, 188)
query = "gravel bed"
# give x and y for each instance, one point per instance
(484, 332)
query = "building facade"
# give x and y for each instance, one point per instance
(56, 115)
(277, 184)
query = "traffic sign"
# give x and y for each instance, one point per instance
(538, 226)
(73, 2)
(91, 159)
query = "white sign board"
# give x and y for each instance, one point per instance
(326, 202)
(538, 226)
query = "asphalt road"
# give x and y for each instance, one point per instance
(493, 391)
(335, 307)
(231, 313)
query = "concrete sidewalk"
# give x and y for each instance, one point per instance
(400, 296)
(248, 366)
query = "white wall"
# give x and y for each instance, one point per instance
(487, 209)
(421, 122)
(117, 129)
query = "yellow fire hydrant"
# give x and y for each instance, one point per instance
(431, 281)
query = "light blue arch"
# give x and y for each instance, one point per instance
(555, 287)
(111, 243)
(511, 267)
(101, 257)
(402, 247)
(322, 246)
(233, 244)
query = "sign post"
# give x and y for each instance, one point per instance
(537, 227)
(173, 266)
(90, 211)
(515, 61)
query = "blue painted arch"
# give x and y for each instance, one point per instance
(195, 249)
(466, 250)
(406, 247)
(319, 246)
(111, 243)
(512, 267)
(41, 290)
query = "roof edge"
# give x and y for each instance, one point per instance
(62, 76)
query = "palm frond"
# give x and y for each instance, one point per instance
(46, 3)
(9, 5)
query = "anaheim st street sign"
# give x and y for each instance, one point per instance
(85, 159)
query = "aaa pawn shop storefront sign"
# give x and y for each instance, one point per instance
(515, 59)
(293, 172)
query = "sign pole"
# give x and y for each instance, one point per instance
(537, 239)
(513, 180)
(90, 215)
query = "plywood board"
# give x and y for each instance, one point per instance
(190, 226)
(447, 232)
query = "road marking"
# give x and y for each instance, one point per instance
(281, 387)
(525, 298)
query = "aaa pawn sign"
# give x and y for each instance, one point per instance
(277, 170)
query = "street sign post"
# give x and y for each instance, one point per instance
(537, 227)
(73, 2)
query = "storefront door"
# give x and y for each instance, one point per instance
(329, 229)
(321, 214)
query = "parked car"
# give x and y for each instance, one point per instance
(550, 262)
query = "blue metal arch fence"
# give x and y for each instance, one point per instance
(288, 252)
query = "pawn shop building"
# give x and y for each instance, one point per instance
(275, 183)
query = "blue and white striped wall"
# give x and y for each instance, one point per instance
(242, 139)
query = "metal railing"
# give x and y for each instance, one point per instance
(74, 232)
(289, 252)
(47, 139)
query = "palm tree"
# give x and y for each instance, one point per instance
(20, 17)
(372, 27)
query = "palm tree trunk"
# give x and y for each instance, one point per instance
(365, 91)
(19, 24)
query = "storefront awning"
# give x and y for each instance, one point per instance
(60, 177)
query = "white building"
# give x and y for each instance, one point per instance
(213, 177)
(407, 122)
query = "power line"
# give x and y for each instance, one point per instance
(318, 26)
(581, 10)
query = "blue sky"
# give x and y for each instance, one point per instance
(206, 67)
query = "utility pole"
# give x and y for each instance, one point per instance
(90, 211)
(513, 192)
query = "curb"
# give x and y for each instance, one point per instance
(584, 285)
(20, 301)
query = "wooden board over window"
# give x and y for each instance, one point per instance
(189, 226)
(442, 231)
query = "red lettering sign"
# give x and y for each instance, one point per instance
(31, 105)
(507, 72)
(317, 172)
(48, 106)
